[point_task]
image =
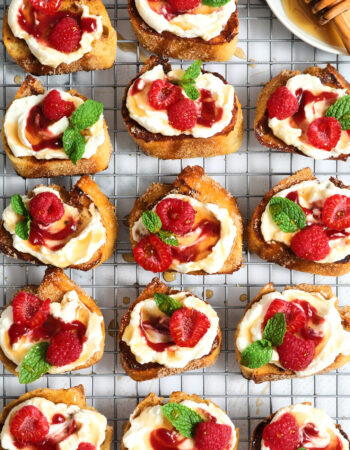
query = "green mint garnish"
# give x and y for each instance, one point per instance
(287, 215)
(153, 223)
(73, 144)
(19, 206)
(169, 238)
(167, 304)
(275, 329)
(215, 3)
(257, 354)
(184, 419)
(22, 228)
(340, 110)
(302, 448)
(34, 365)
(188, 80)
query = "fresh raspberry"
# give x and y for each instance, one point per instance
(65, 36)
(295, 315)
(29, 310)
(153, 254)
(311, 243)
(54, 107)
(282, 434)
(296, 354)
(324, 133)
(282, 104)
(183, 114)
(64, 348)
(86, 446)
(46, 6)
(162, 94)
(336, 212)
(184, 5)
(212, 435)
(29, 425)
(46, 208)
(187, 326)
(176, 215)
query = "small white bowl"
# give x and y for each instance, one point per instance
(277, 8)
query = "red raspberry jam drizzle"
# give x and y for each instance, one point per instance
(209, 113)
(310, 432)
(164, 8)
(157, 329)
(138, 86)
(312, 315)
(58, 418)
(307, 97)
(37, 128)
(164, 439)
(40, 235)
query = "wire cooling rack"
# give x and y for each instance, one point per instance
(266, 47)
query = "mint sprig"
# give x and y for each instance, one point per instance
(215, 3)
(22, 228)
(287, 215)
(340, 110)
(184, 419)
(275, 329)
(34, 365)
(153, 223)
(188, 80)
(167, 304)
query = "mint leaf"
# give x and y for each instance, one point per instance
(215, 3)
(87, 114)
(19, 206)
(184, 419)
(341, 111)
(73, 144)
(22, 229)
(169, 238)
(151, 221)
(34, 365)
(275, 329)
(302, 448)
(167, 304)
(257, 354)
(191, 91)
(287, 215)
(192, 72)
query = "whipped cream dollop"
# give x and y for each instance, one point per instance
(156, 121)
(15, 124)
(151, 418)
(290, 133)
(173, 356)
(309, 192)
(204, 22)
(49, 56)
(71, 308)
(336, 341)
(325, 426)
(77, 250)
(90, 425)
(219, 253)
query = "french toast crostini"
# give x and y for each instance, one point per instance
(175, 114)
(38, 124)
(57, 417)
(53, 37)
(51, 328)
(51, 226)
(298, 332)
(186, 420)
(303, 224)
(298, 425)
(151, 339)
(303, 113)
(191, 226)
(191, 29)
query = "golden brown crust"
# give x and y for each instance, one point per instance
(270, 372)
(219, 48)
(72, 396)
(228, 140)
(30, 167)
(176, 397)
(142, 372)
(194, 182)
(102, 55)
(54, 285)
(329, 76)
(82, 194)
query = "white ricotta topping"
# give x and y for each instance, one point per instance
(156, 121)
(306, 414)
(49, 56)
(292, 135)
(91, 425)
(77, 250)
(151, 418)
(336, 340)
(15, 129)
(221, 250)
(309, 192)
(205, 25)
(174, 356)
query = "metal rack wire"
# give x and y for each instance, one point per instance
(267, 47)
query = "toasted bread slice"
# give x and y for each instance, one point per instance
(82, 194)
(226, 141)
(270, 372)
(176, 397)
(30, 167)
(329, 76)
(194, 182)
(280, 253)
(142, 372)
(219, 48)
(72, 396)
(102, 55)
(54, 285)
